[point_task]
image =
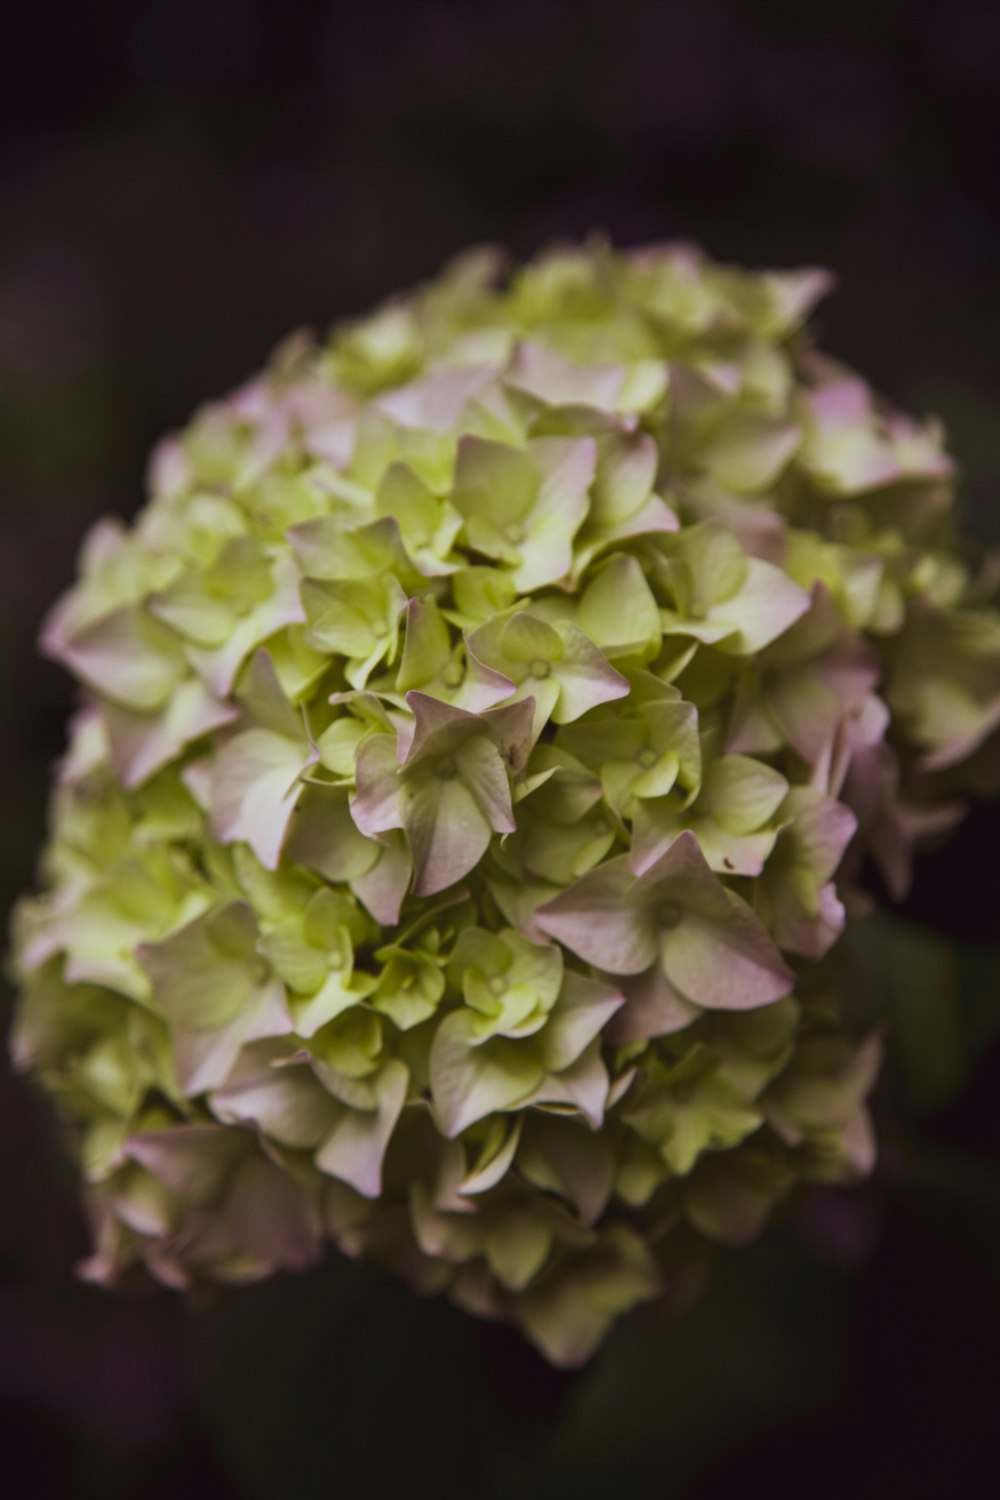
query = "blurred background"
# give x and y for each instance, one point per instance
(184, 182)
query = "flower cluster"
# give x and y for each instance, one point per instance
(453, 832)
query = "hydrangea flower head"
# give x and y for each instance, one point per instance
(480, 725)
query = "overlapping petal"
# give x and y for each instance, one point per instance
(488, 708)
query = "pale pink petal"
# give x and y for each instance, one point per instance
(730, 965)
(596, 919)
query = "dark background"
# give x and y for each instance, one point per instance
(181, 183)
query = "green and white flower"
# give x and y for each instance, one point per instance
(481, 723)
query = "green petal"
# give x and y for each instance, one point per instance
(741, 793)
(583, 1009)
(204, 974)
(355, 1149)
(749, 451)
(764, 608)
(494, 482)
(618, 611)
(517, 1249)
(427, 645)
(469, 1082)
(568, 1315)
